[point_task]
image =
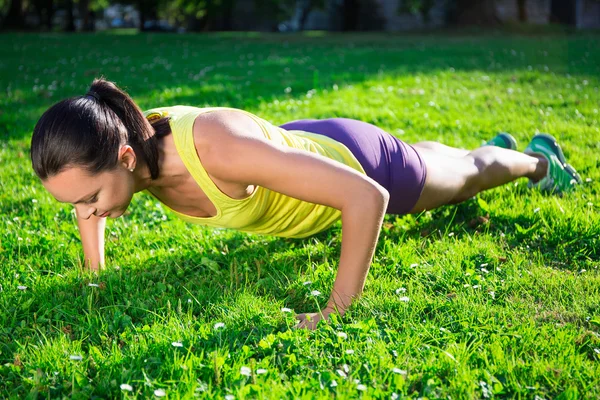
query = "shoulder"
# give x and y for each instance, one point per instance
(214, 127)
(222, 134)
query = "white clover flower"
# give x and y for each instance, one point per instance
(261, 371)
(414, 265)
(350, 351)
(597, 351)
(493, 294)
(485, 270)
(394, 395)
(342, 335)
(315, 293)
(536, 210)
(333, 383)
(76, 357)
(285, 309)
(399, 371)
(93, 285)
(189, 300)
(126, 387)
(400, 290)
(341, 373)
(160, 393)
(346, 368)
(219, 325)
(484, 265)
(451, 234)
(361, 387)
(22, 287)
(307, 283)
(245, 371)
(404, 299)
(177, 344)
(229, 397)
(476, 286)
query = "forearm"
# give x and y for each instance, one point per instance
(361, 224)
(92, 240)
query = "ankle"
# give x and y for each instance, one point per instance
(540, 167)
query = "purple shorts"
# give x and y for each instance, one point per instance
(393, 164)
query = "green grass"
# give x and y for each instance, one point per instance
(526, 325)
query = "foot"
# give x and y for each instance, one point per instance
(504, 140)
(560, 176)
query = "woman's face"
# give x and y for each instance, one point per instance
(106, 194)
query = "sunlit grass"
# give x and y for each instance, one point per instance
(494, 298)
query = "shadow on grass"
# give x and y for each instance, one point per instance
(562, 244)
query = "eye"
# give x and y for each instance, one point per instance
(92, 200)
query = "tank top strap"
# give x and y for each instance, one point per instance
(182, 120)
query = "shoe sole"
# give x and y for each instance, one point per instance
(551, 141)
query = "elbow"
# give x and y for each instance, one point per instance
(374, 196)
(382, 197)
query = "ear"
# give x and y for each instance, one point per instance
(127, 157)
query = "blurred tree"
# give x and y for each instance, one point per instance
(45, 11)
(306, 6)
(70, 23)
(420, 7)
(472, 12)
(14, 18)
(522, 10)
(218, 15)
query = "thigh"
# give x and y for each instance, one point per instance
(447, 177)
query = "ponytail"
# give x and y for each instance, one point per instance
(87, 131)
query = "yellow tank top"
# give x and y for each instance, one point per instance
(265, 211)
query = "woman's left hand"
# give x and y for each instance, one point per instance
(314, 319)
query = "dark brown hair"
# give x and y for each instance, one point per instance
(87, 131)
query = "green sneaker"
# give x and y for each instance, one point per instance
(504, 140)
(560, 176)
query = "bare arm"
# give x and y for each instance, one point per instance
(92, 239)
(234, 150)
(361, 224)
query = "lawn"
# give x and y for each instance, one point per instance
(498, 297)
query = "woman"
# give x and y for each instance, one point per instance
(225, 167)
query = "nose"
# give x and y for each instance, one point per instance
(86, 211)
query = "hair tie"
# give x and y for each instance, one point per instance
(91, 94)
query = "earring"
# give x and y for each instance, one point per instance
(131, 169)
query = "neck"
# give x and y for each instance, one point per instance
(142, 179)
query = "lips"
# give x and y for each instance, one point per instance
(103, 215)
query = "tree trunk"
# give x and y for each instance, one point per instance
(350, 15)
(305, 8)
(141, 8)
(47, 22)
(14, 18)
(84, 14)
(522, 10)
(227, 15)
(70, 25)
